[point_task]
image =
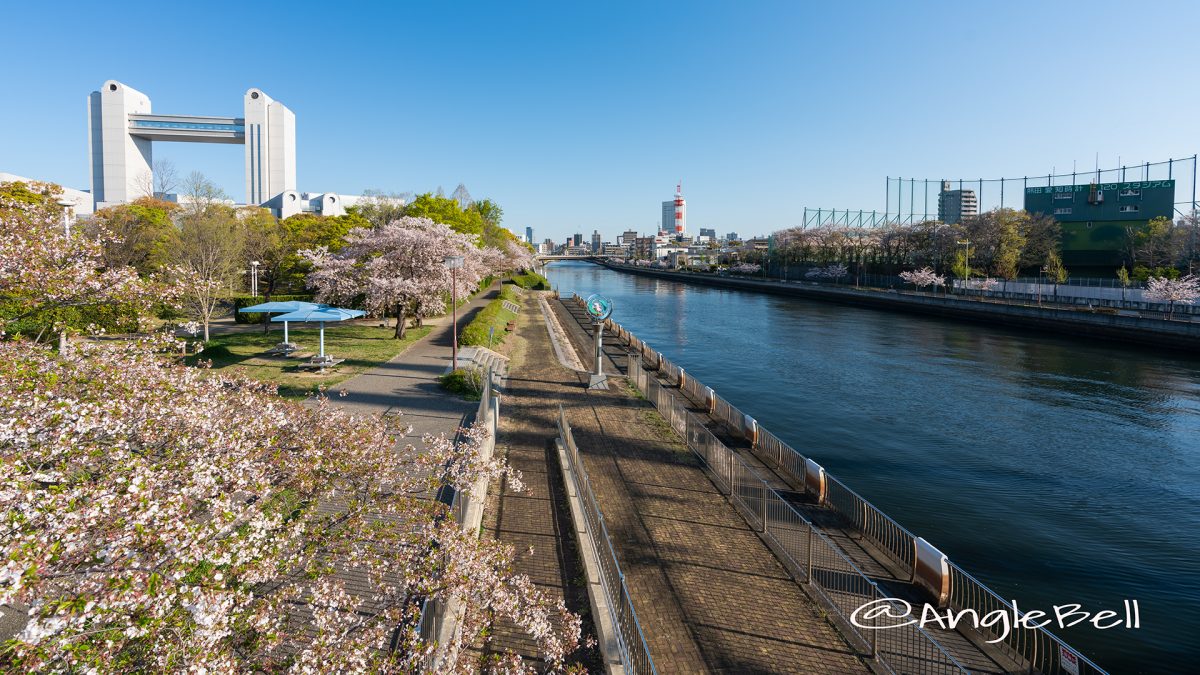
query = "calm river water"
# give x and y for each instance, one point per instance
(1054, 470)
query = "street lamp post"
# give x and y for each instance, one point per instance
(453, 262)
(66, 205)
(254, 278)
(966, 244)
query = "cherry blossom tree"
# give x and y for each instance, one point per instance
(42, 270)
(745, 268)
(923, 277)
(159, 517)
(833, 271)
(1184, 290)
(398, 267)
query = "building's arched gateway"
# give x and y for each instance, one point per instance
(122, 130)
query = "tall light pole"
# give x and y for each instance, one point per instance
(66, 205)
(254, 278)
(966, 244)
(453, 262)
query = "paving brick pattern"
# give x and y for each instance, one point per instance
(709, 594)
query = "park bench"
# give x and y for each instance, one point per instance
(282, 349)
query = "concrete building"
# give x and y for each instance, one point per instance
(528, 235)
(81, 201)
(628, 238)
(643, 247)
(122, 129)
(954, 205)
(595, 241)
(707, 232)
(732, 236)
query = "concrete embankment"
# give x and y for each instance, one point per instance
(1184, 335)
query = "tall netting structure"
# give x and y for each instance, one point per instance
(912, 200)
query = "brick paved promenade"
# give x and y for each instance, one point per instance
(710, 596)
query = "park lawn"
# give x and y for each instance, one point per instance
(362, 346)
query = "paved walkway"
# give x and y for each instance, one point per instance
(709, 594)
(408, 384)
(536, 522)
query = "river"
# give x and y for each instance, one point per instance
(1054, 470)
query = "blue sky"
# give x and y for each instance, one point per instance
(582, 116)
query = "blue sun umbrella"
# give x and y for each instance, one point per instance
(320, 313)
(280, 308)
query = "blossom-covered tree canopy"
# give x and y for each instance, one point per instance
(1184, 290)
(923, 277)
(43, 271)
(400, 267)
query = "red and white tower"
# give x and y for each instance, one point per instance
(680, 210)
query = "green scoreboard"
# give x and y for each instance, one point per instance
(1095, 216)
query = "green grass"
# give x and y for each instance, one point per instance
(493, 315)
(532, 281)
(362, 346)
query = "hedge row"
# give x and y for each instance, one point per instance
(491, 316)
(531, 280)
(108, 317)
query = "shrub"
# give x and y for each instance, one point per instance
(467, 382)
(107, 317)
(532, 281)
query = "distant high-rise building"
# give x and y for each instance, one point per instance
(710, 233)
(577, 239)
(595, 241)
(528, 235)
(629, 237)
(732, 236)
(668, 216)
(954, 205)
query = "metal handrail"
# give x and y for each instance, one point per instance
(631, 640)
(1041, 650)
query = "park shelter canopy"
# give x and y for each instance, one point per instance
(320, 313)
(280, 308)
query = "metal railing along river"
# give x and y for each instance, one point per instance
(440, 616)
(631, 642)
(836, 577)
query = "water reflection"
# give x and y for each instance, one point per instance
(1056, 470)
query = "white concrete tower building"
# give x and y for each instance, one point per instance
(122, 129)
(680, 210)
(120, 161)
(270, 147)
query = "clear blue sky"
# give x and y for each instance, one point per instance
(581, 116)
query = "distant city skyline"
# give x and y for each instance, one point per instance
(557, 112)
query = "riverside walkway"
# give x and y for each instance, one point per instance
(710, 596)
(967, 650)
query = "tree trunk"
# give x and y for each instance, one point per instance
(206, 329)
(399, 322)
